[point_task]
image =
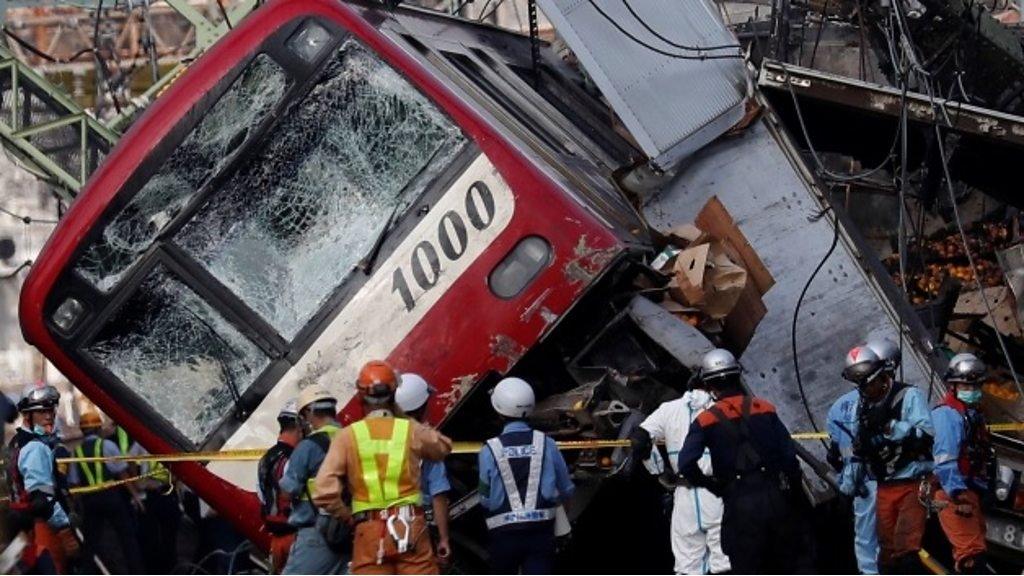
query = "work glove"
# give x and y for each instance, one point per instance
(961, 507)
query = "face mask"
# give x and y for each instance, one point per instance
(969, 396)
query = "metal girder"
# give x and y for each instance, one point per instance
(886, 100)
(52, 135)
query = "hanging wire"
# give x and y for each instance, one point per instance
(674, 44)
(27, 219)
(655, 49)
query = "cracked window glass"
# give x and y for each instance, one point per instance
(178, 354)
(243, 106)
(298, 215)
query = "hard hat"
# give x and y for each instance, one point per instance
(888, 351)
(289, 412)
(89, 420)
(513, 397)
(862, 365)
(316, 397)
(718, 363)
(377, 382)
(965, 368)
(36, 398)
(413, 392)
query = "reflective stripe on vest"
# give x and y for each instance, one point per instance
(91, 478)
(382, 493)
(123, 441)
(330, 430)
(523, 509)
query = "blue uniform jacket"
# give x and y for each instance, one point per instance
(35, 463)
(302, 466)
(949, 439)
(555, 483)
(842, 429)
(916, 419)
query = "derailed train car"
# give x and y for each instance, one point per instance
(335, 182)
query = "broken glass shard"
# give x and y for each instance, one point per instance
(243, 106)
(178, 354)
(288, 227)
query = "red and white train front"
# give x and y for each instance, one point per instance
(308, 196)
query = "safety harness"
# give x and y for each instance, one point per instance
(748, 459)
(886, 457)
(523, 509)
(977, 459)
(15, 481)
(276, 505)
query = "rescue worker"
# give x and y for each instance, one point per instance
(523, 480)
(377, 462)
(310, 554)
(755, 472)
(161, 514)
(411, 397)
(965, 463)
(696, 529)
(275, 505)
(894, 442)
(106, 514)
(853, 478)
(35, 507)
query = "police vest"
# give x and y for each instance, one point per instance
(92, 472)
(384, 488)
(520, 459)
(322, 438)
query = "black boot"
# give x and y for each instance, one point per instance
(976, 564)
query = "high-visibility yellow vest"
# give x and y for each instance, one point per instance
(330, 430)
(382, 492)
(93, 474)
(157, 470)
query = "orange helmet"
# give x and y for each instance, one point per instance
(377, 382)
(89, 420)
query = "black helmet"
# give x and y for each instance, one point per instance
(36, 398)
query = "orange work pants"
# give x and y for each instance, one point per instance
(966, 534)
(46, 539)
(280, 544)
(901, 520)
(419, 559)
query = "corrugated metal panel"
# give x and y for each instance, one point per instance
(672, 106)
(771, 204)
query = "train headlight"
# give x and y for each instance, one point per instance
(67, 314)
(520, 267)
(309, 41)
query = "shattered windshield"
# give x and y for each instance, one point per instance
(131, 232)
(292, 222)
(178, 354)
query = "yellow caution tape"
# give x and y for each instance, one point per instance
(930, 562)
(111, 484)
(252, 454)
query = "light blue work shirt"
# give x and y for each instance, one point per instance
(555, 483)
(433, 481)
(916, 419)
(949, 439)
(35, 464)
(112, 469)
(304, 464)
(853, 481)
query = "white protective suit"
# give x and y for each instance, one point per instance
(696, 530)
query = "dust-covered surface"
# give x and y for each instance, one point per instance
(292, 223)
(202, 152)
(178, 354)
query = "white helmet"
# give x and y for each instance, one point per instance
(513, 397)
(316, 397)
(965, 368)
(888, 351)
(413, 392)
(717, 364)
(862, 365)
